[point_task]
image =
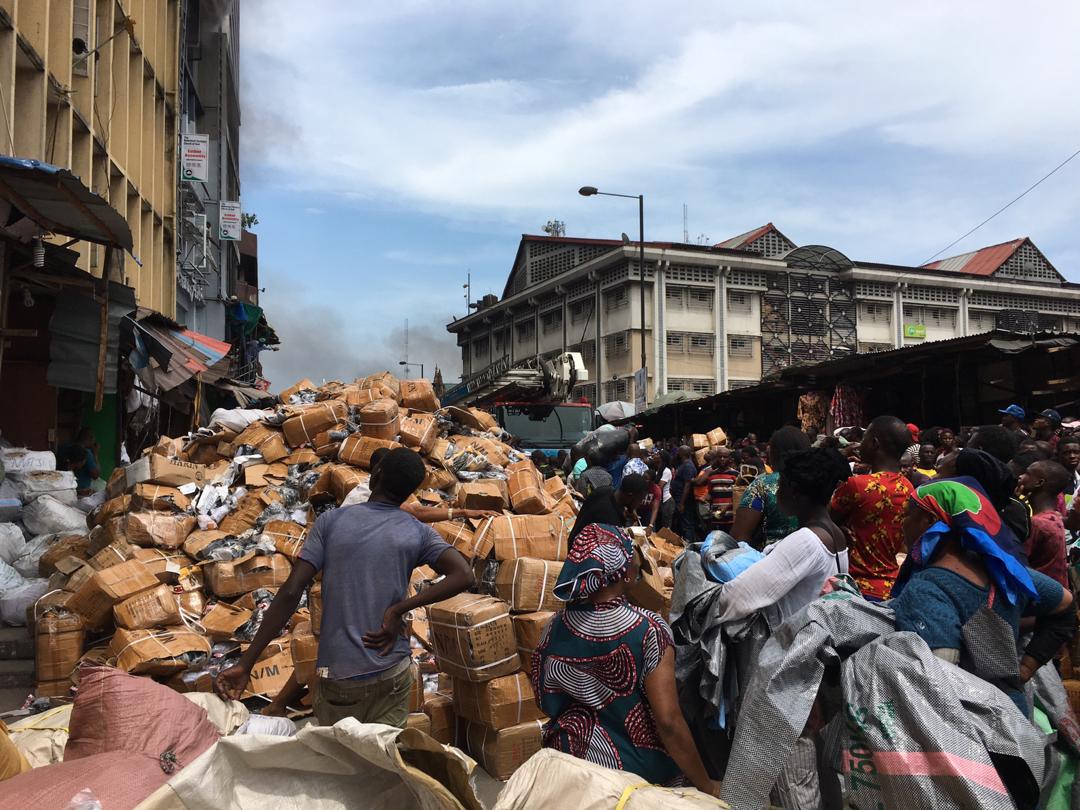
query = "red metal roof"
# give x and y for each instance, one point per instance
(982, 262)
(574, 240)
(744, 239)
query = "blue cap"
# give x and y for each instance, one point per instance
(1052, 415)
(1014, 410)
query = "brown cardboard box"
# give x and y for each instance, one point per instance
(54, 600)
(440, 710)
(419, 721)
(192, 602)
(229, 579)
(114, 507)
(337, 481)
(419, 432)
(357, 398)
(494, 451)
(223, 619)
(357, 450)
(315, 606)
(72, 545)
(301, 456)
(304, 427)
(272, 671)
(439, 451)
(200, 539)
(154, 608)
(58, 689)
(440, 478)
(270, 443)
(487, 493)
(416, 694)
(526, 487)
(288, 537)
(59, 638)
(247, 601)
(379, 419)
(556, 487)
(666, 546)
(540, 536)
(78, 572)
(699, 441)
(155, 652)
(462, 535)
(262, 475)
(716, 437)
(499, 703)
(473, 637)
(159, 497)
(305, 652)
(116, 484)
(328, 442)
(384, 381)
(165, 565)
(161, 529)
(155, 469)
(95, 598)
(246, 514)
(303, 385)
(419, 395)
(650, 592)
(529, 629)
(500, 752)
(526, 583)
(112, 554)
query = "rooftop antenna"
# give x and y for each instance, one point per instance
(467, 286)
(555, 227)
(406, 348)
(685, 225)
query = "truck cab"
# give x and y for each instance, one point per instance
(546, 426)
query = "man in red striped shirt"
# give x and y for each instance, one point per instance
(721, 482)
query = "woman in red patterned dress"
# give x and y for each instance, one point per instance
(604, 671)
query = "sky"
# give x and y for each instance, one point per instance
(390, 149)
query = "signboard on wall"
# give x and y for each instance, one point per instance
(641, 378)
(915, 330)
(229, 220)
(194, 157)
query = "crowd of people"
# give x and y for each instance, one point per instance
(967, 535)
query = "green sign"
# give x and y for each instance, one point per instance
(914, 330)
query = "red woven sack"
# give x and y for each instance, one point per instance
(119, 781)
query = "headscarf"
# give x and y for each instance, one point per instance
(599, 557)
(964, 511)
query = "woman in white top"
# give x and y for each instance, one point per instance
(795, 569)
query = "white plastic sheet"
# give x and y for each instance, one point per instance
(237, 419)
(30, 556)
(12, 542)
(46, 515)
(9, 577)
(15, 601)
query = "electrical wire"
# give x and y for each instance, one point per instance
(1007, 205)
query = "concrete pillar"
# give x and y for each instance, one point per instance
(659, 332)
(720, 350)
(962, 315)
(898, 315)
(598, 343)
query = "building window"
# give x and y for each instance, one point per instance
(579, 310)
(734, 385)
(930, 316)
(525, 330)
(615, 298)
(676, 341)
(699, 298)
(740, 346)
(701, 344)
(740, 303)
(691, 384)
(675, 297)
(616, 344)
(870, 348)
(587, 351)
(551, 320)
(617, 390)
(80, 29)
(877, 313)
(480, 349)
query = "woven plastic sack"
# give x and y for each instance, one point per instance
(15, 601)
(12, 542)
(119, 780)
(46, 515)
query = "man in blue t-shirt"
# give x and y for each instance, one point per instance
(681, 492)
(366, 554)
(81, 458)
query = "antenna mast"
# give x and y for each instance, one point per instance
(685, 225)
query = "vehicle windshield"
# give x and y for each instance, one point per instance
(547, 425)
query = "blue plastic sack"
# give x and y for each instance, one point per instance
(723, 558)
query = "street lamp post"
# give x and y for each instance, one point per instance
(592, 191)
(408, 364)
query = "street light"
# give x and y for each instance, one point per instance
(592, 191)
(407, 364)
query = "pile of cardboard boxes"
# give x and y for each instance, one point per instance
(176, 567)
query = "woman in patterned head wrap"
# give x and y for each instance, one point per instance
(967, 586)
(604, 672)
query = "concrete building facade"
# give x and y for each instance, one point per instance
(725, 316)
(91, 86)
(208, 267)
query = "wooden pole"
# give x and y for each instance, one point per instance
(103, 351)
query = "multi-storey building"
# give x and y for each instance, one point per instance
(90, 85)
(726, 316)
(208, 267)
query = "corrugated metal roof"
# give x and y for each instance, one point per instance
(176, 354)
(982, 262)
(744, 239)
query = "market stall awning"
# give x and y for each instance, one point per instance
(58, 202)
(174, 353)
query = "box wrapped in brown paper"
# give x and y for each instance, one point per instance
(223, 619)
(305, 652)
(95, 598)
(154, 608)
(58, 643)
(716, 437)
(200, 539)
(419, 721)
(112, 554)
(419, 395)
(416, 693)
(155, 469)
(650, 592)
(155, 652)
(315, 418)
(440, 710)
(529, 628)
(460, 534)
(159, 497)
(230, 579)
(165, 565)
(383, 381)
(540, 536)
(271, 671)
(556, 488)
(699, 441)
(268, 442)
(161, 529)
(264, 475)
(499, 703)
(500, 752)
(356, 397)
(288, 537)
(487, 493)
(526, 485)
(526, 584)
(379, 419)
(72, 545)
(419, 432)
(473, 637)
(247, 512)
(303, 385)
(114, 507)
(315, 606)
(357, 450)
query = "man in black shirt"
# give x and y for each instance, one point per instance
(616, 507)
